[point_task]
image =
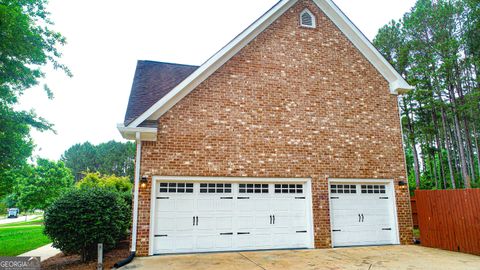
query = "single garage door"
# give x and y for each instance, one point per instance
(362, 214)
(216, 216)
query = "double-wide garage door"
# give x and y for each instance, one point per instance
(219, 216)
(362, 214)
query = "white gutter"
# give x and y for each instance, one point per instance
(135, 193)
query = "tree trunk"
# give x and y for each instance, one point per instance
(458, 134)
(439, 148)
(449, 148)
(411, 136)
(471, 157)
(433, 167)
(475, 136)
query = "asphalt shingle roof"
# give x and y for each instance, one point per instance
(152, 81)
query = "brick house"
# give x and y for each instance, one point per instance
(288, 137)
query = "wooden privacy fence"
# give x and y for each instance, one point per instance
(449, 219)
(413, 204)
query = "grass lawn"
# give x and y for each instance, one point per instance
(20, 237)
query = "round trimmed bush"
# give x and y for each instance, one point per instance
(82, 218)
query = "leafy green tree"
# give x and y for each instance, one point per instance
(110, 158)
(436, 47)
(26, 45)
(121, 184)
(45, 182)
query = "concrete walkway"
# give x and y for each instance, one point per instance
(44, 252)
(18, 219)
(367, 258)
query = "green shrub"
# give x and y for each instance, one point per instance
(121, 184)
(112, 182)
(84, 217)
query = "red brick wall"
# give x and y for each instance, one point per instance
(295, 102)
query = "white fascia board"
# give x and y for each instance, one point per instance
(212, 64)
(396, 82)
(146, 134)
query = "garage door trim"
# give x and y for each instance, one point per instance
(157, 179)
(389, 182)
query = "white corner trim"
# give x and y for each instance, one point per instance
(151, 230)
(396, 81)
(136, 192)
(129, 133)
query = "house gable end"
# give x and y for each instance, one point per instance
(396, 82)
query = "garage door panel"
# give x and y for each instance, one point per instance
(230, 220)
(225, 205)
(244, 241)
(361, 218)
(225, 222)
(165, 224)
(184, 204)
(205, 203)
(263, 239)
(244, 222)
(163, 244)
(184, 244)
(224, 242)
(281, 204)
(205, 242)
(164, 205)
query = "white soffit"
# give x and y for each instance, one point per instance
(397, 84)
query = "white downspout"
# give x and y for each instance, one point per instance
(135, 193)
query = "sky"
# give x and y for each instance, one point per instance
(107, 37)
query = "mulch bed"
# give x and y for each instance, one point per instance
(72, 262)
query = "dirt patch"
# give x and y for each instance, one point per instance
(72, 262)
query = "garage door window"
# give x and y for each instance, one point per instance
(215, 188)
(343, 189)
(373, 189)
(288, 188)
(176, 187)
(253, 188)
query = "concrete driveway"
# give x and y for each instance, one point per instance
(368, 258)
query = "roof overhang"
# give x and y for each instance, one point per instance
(145, 133)
(397, 83)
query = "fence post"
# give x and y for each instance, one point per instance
(100, 257)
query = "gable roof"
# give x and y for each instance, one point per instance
(396, 81)
(152, 81)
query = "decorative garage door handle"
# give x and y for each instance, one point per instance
(197, 220)
(363, 219)
(273, 219)
(270, 219)
(193, 220)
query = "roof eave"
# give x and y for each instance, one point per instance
(400, 87)
(146, 133)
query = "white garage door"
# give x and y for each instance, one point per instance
(362, 214)
(205, 217)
